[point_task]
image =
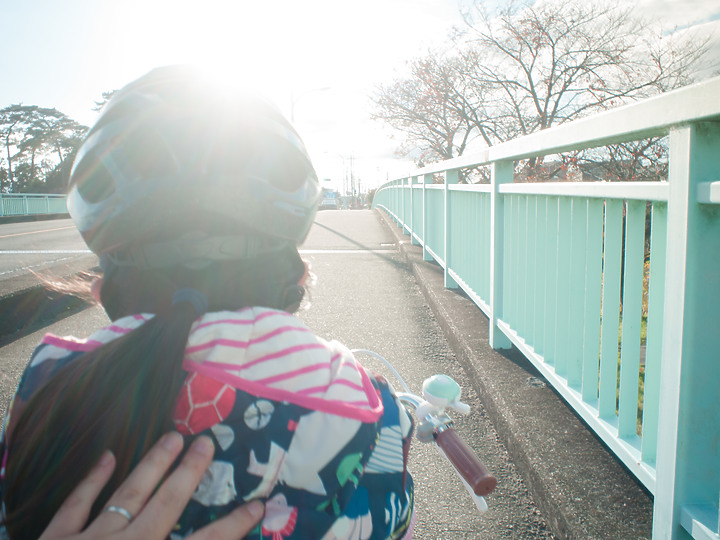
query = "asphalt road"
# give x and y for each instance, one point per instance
(366, 297)
(37, 246)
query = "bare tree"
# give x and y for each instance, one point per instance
(553, 65)
(550, 64)
(425, 106)
(530, 67)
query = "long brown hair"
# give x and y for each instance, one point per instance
(122, 395)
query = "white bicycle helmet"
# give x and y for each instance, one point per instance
(172, 172)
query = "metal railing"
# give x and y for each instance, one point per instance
(28, 204)
(564, 272)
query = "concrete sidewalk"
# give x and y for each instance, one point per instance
(578, 485)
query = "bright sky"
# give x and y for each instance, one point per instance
(323, 55)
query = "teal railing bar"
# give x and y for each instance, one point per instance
(540, 275)
(407, 207)
(530, 303)
(656, 304)
(416, 212)
(523, 263)
(429, 221)
(559, 268)
(514, 236)
(501, 173)
(435, 233)
(460, 256)
(551, 248)
(688, 458)
(509, 264)
(451, 178)
(610, 329)
(576, 292)
(593, 291)
(31, 204)
(562, 294)
(506, 264)
(631, 319)
(480, 247)
(485, 233)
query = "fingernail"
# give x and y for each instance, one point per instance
(172, 441)
(256, 509)
(203, 445)
(106, 458)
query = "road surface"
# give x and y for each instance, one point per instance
(366, 297)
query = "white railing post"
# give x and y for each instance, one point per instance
(451, 177)
(502, 173)
(677, 457)
(401, 214)
(403, 210)
(688, 458)
(427, 178)
(396, 200)
(414, 180)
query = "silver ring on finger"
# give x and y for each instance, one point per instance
(118, 510)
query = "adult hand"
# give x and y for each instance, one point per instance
(148, 519)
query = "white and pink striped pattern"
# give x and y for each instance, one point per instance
(262, 351)
(272, 354)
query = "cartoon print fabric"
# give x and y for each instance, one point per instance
(296, 421)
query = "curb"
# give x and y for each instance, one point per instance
(580, 488)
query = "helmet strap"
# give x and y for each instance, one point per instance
(196, 251)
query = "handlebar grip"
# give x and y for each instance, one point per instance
(466, 462)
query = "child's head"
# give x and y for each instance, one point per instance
(180, 185)
(174, 187)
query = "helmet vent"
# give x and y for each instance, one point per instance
(94, 182)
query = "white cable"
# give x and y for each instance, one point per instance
(387, 363)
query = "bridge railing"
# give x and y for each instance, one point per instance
(611, 289)
(28, 204)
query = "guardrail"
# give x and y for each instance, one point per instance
(28, 204)
(559, 269)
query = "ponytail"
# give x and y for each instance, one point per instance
(120, 396)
